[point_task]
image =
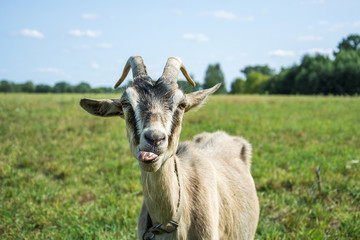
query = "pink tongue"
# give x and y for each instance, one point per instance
(146, 156)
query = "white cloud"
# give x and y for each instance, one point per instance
(32, 33)
(179, 13)
(195, 37)
(325, 51)
(265, 11)
(89, 16)
(356, 24)
(312, 2)
(281, 53)
(222, 14)
(54, 70)
(323, 23)
(85, 46)
(335, 27)
(310, 38)
(95, 65)
(86, 33)
(105, 45)
(246, 19)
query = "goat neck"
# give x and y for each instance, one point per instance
(162, 191)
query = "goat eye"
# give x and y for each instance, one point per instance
(125, 104)
(182, 106)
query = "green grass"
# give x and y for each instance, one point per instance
(65, 174)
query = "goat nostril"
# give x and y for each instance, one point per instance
(149, 139)
(159, 141)
(154, 140)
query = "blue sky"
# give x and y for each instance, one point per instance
(49, 41)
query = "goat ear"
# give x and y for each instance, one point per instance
(102, 107)
(197, 99)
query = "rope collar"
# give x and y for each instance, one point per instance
(171, 226)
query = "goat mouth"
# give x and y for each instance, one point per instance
(147, 157)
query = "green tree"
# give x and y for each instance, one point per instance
(187, 87)
(238, 86)
(255, 82)
(320, 75)
(43, 88)
(313, 75)
(280, 83)
(107, 89)
(350, 43)
(82, 88)
(97, 90)
(264, 69)
(347, 73)
(16, 87)
(28, 87)
(5, 86)
(213, 76)
(62, 87)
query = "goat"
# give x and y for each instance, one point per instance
(200, 189)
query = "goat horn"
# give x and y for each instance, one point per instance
(172, 68)
(137, 65)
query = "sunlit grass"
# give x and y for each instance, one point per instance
(65, 174)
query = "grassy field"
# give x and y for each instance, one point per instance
(65, 174)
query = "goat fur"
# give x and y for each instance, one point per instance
(220, 200)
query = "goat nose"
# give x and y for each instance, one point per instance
(154, 138)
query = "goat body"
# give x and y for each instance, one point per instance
(219, 191)
(200, 189)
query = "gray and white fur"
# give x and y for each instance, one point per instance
(208, 179)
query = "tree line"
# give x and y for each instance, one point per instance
(83, 87)
(60, 87)
(316, 74)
